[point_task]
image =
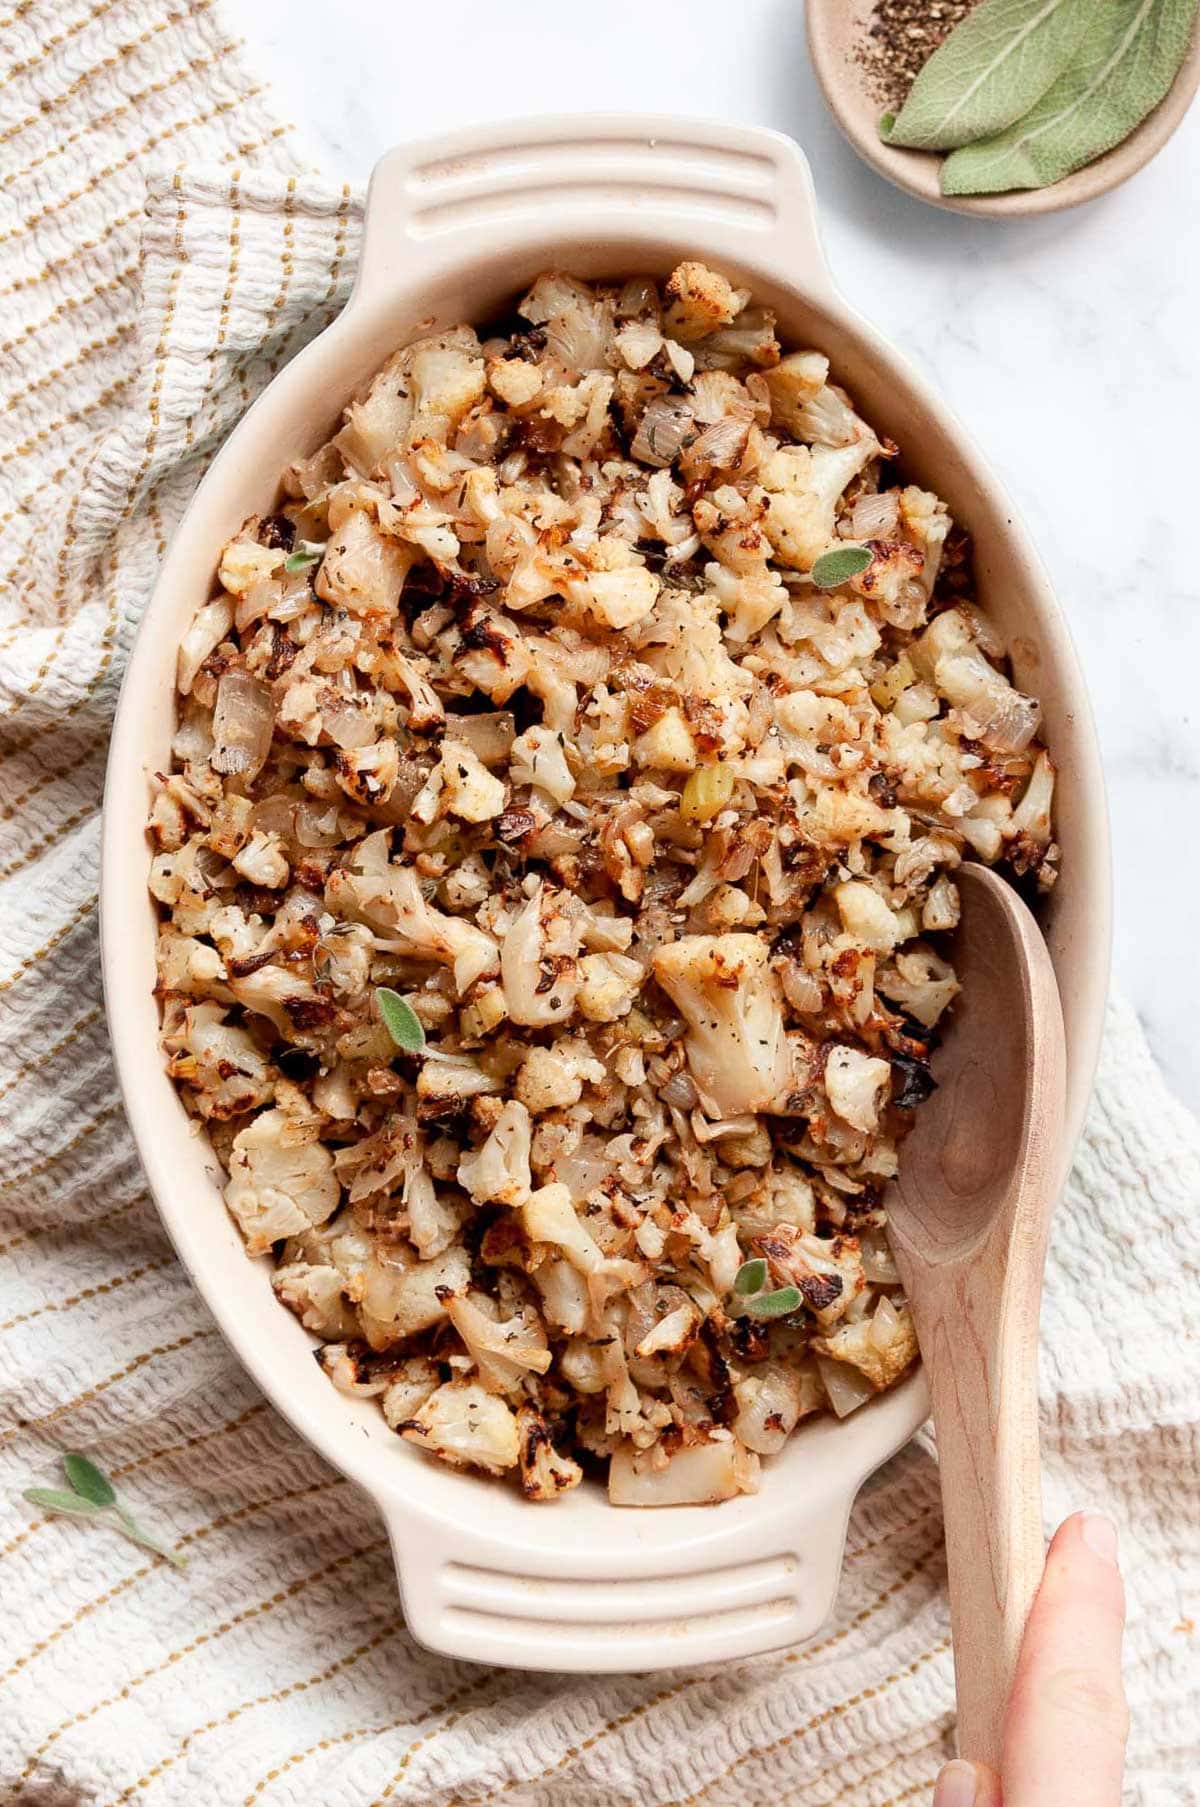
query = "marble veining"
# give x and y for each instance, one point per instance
(1068, 343)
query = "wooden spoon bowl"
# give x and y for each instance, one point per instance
(970, 1216)
(836, 29)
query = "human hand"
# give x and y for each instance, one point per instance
(1065, 1731)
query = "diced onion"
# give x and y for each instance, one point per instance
(801, 989)
(664, 427)
(885, 1323)
(347, 720)
(845, 1387)
(578, 337)
(680, 1092)
(582, 1172)
(639, 296)
(996, 714)
(243, 723)
(876, 516)
(719, 447)
(489, 735)
(317, 824)
(879, 1264)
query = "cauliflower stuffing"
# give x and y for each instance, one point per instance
(525, 703)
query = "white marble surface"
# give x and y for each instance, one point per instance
(1068, 342)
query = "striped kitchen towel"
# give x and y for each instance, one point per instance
(162, 252)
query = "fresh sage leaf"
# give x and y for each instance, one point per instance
(57, 1499)
(839, 566)
(106, 1511)
(751, 1277)
(1121, 71)
(147, 1541)
(777, 1304)
(305, 555)
(87, 1480)
(400, 1020)
(989, 71)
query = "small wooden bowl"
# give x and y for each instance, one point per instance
(835, 30)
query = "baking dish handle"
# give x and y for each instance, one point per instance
(567, 1603)
(729, 190)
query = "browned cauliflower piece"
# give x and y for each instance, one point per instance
(467, 1427)
(281, 1181)
(881, 1351)
(700, 301)
(737, 1048)
(545, 1473)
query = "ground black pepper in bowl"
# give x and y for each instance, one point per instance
(901, 37)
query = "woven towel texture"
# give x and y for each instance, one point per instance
(275, 1668)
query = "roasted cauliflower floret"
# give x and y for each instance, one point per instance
(538, 758)
(856, 1083)
(392, 902)
(613, 584)
(545, 1473)
(866, 916)
(803, 487)
(737, 1048)
(794, 382)
(262, 861)
(553, 1078)
(498, 1170)
(608, 986)
(549, 1216)
(422, 392)
(362, 570)
(538, 964)
(408, 1389)
(920, 982)
(317, 1295)
(399, 1297)
(701, 300)
(226, 1070)
(447, 377)
(504, 1350)
(771, 1400)
(466, 1426)
(926, 519)
(993, 711)
(244, 563)
(460, 785)
(827, 418)
(281, 1181)
(697, 1476)
(880, 1347)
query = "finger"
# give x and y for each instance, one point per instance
(1064, 1736)
(967, 1785)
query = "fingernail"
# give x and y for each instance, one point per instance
(957, 1785)
(1100, 1536)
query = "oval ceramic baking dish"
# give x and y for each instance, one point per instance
(455, 230)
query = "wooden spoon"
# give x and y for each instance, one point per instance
(970, 1213)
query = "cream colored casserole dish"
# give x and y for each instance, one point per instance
(454, 231)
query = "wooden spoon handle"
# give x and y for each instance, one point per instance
(982, 1364)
